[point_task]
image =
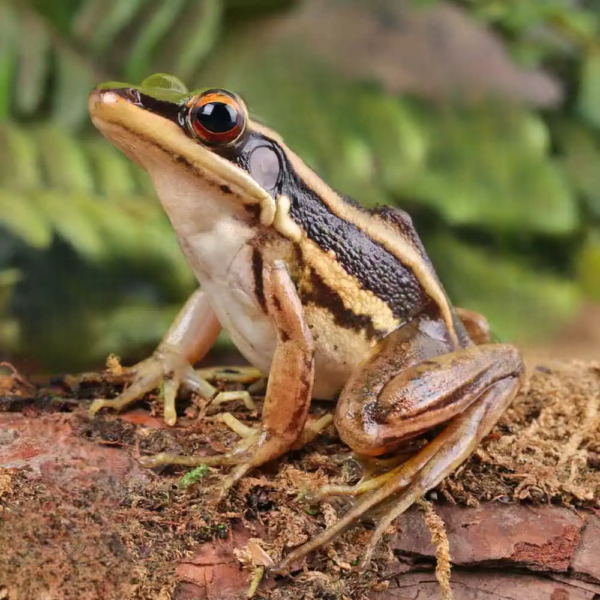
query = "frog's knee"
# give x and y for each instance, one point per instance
(365, 437)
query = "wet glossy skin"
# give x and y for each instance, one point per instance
(331, 300)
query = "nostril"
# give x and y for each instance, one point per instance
(94, 99)
(103, 96)
(133, 95)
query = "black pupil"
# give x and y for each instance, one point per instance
(217, 117)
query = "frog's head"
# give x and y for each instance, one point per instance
(198, 147)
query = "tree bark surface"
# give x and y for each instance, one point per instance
(79, 518)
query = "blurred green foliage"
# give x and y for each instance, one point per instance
(505, 196)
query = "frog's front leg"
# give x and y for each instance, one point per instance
(187, 341)
(410, 384)
(288, 395)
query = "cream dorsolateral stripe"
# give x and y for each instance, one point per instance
(353, 296)
(377, 231)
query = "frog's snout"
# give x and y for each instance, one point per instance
(100, 99)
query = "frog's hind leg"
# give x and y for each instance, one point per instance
(311, 430)
(469, 388)
(242, 374)
(247, 375)
(421, 473)
(375, 473)
(449, 450)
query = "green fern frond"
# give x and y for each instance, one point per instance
(50, 58)
(83, 201)
(90, 265)
(9, 327)
(84, 192)
(588, 266)
(533, 299)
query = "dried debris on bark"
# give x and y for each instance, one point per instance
(79, 518)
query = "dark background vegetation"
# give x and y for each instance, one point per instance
(479, 117)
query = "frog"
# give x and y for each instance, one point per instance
(332, 300)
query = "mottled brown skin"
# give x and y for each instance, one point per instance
(332, 300)
(476, 325)
(286, 406)
(411, 383)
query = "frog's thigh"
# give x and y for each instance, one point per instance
(386, 402)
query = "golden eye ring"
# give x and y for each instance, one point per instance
(216, 118)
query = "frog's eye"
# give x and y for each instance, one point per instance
(216, 117)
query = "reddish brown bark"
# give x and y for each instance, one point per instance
(80, 519)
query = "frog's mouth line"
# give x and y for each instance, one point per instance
(131, 126)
